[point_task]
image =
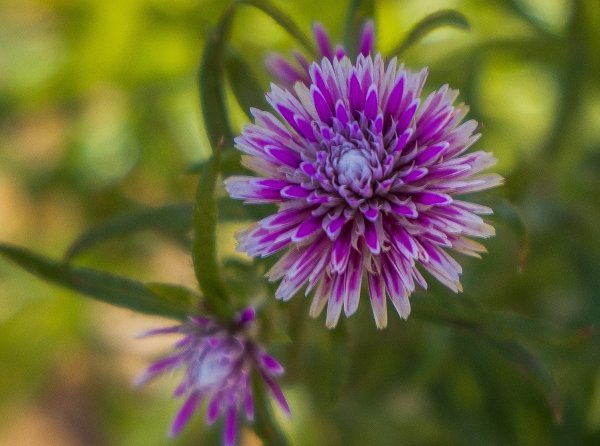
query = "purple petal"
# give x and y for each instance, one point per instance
(341, 113)
(230, 427)
(184, 414)
(393, 102)
(307, 228)
(214, 407)
(321, 105)
(377, 294)
(341, 250)
(354, 280)
(271, 364)
(336, 301)
(431, 154)
(367, 39)
(355, 92)
(277, 393)
(371, 103)
(294, 192)
(284, 155)
(323, 41)
(247, 316)
(433, 199)
(372, 238)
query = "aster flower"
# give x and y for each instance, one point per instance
(288, 73)
(365, 176)
(218, 364)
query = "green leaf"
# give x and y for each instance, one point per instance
(211, 79)
(246, 88)
(359, 11)
(172, 218)
(445, 17)
(212, 93)
(530, 365)
(463, 313)
(106, 287)
(510, 215)
(204, 246)
(173, 292)
(283, 20)
(230, 164)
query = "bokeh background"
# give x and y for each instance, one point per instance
(99, 114)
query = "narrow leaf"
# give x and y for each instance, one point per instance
(106, 287)
(283, 20)
(172, 218)
(509, 214)
(464, 314)
(204, 246)
(173, 292)
(359, 11)
(445, 17)
(211, 79)
(530, 365)
(246, 88)
(212, 93)
(230, 164)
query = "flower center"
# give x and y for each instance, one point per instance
(354, 172)
(215, 366)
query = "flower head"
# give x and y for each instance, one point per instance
(365, 175)
(218, 364)
(288, 73)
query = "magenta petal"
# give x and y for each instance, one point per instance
(371, 103)
(372, 213)
(295, 192)
(372, 238)
(284, 155)
(277, 393)
(323, 41)
(230, 427)
(355, 92)
(377, 293)
(214, 408)
(431, 153)
(433, 199)
(321, 105)
(341, 250)
(271, 364)
(184, 414)
(307, 228)
(393, 102)
(367, 39)
(341, 113)
(247, 316)
(405, 210)
(407, 115)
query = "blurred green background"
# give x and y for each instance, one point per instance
(99, 114)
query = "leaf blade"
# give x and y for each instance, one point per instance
(204, 244)
(244, 84)
(106, 287)
(171, 218)
(359, 11)
(444, 17)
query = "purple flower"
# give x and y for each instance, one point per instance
(288, 73)
(218, 364)
(365, 175)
